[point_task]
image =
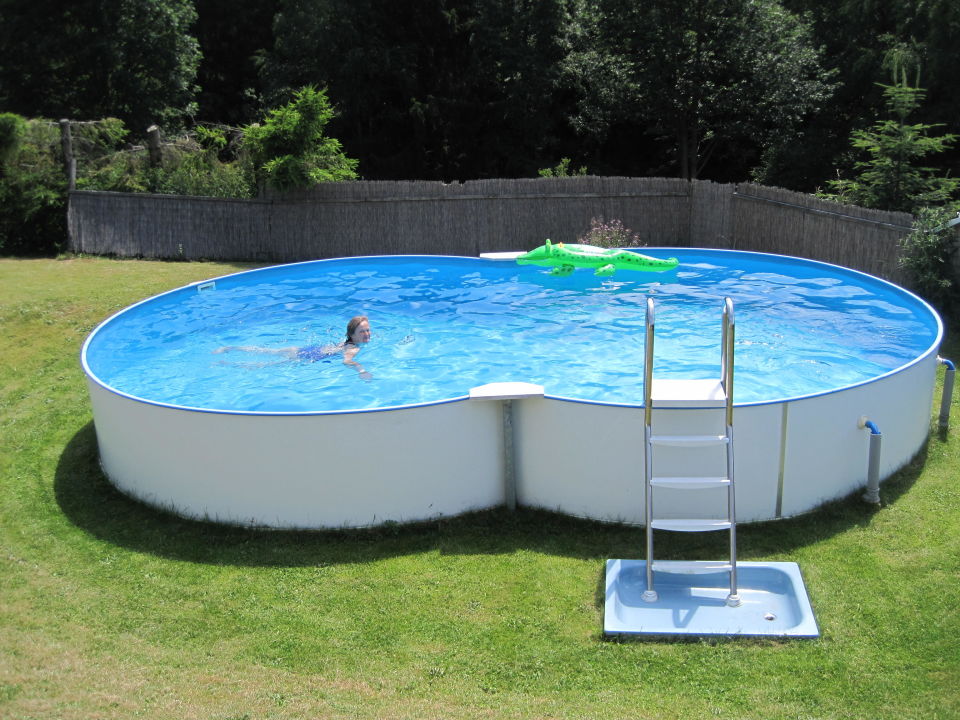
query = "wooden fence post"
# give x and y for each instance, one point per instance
(153, 146)
(69, 161)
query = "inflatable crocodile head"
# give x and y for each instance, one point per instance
(542, 255)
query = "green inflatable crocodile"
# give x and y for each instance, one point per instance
(564, 258)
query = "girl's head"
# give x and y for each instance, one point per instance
(358, 330)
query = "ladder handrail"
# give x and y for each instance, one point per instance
(727, 342)
(649, 594)
(648, 364)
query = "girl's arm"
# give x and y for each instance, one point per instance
(348, 354)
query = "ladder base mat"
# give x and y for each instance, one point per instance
(774, 602)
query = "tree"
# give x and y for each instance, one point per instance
(32, 187)
(717, 79)
(12, 129)
(856, 36)
(522, 52)
(290, 149)
(132, 59)
(433, 89)
(233, 36)
(388, 63)
(890, 177)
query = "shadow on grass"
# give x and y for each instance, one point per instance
(92, 503)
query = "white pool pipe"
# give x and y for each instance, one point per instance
(872, 495)
(947, 397)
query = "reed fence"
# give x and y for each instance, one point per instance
(404, 218)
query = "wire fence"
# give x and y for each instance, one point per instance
(433, 218)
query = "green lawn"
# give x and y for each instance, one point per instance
(109, 609)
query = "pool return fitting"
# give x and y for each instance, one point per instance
(947, 397)
(872, 495)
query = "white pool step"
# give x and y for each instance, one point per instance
(691, 524)
(690, 567)
(689, 440)
(688, 393)
(690, 483)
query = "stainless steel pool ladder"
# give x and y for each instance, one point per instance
(693, 394)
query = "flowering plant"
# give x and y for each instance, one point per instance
(610, 234)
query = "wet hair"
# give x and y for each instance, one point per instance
(353, 324)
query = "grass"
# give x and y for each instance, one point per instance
(109, 609)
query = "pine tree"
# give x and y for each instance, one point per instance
(891, 177)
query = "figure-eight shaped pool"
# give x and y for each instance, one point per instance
(461, 344)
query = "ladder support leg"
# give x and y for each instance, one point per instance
(733, 599)
(649, 595)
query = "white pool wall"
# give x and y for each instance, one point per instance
(303, 471)
(792, 456)
(342, 470)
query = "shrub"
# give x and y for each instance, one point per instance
(12, 129)
(191, 166)
(32, 188)
(927, 254)
(290, 149)
(890, 177)
(562, 169)
(610, 234)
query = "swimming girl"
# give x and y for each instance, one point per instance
(358, 333)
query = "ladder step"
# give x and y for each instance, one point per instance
(690, 483)
(692, 566)
(668, 392)
(689, 440)
(691, 525)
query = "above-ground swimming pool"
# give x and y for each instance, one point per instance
(188, 422)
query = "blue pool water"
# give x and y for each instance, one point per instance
(443, 325)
